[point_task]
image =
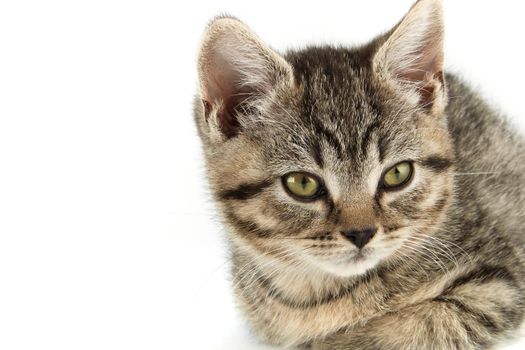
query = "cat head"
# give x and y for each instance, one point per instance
(331, 159)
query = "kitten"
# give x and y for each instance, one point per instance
(372, 201)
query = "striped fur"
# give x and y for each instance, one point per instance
(446, 268)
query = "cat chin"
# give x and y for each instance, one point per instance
(352, 267)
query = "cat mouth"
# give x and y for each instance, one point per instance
(359, 257)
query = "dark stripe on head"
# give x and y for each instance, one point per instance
(367, 135)
(408, 208)
(485, 273)
(317, 153)
(437, 163)
(330, 138)
(440, 203)
(247, 226)
(332, 213)
(411, 207)
(378, 209)
(383, 146)
(245, 191)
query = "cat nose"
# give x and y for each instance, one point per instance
(359, 237)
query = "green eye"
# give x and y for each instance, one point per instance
(398, 175)
(302, 185)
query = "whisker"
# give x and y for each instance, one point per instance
(446, 241)
(416, 263)
(209, 277)
(435, 258)
(439, 245)
(477, 173)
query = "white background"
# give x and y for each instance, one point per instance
(107, 236)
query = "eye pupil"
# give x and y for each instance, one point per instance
(398, 173)
(304, 181)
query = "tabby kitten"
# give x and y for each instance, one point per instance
(371, 201)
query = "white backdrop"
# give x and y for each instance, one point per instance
(107, 236)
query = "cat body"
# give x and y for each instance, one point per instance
(434, 262)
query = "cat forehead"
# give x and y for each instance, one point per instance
(332, 74)
(338, 84)
(339, 113)
(339, 99)
(335, 131)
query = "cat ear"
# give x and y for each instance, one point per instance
(236, 69)
(412, 55)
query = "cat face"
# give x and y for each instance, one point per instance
(327, 159)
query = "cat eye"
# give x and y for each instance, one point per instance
(303, 186)
(398, 175)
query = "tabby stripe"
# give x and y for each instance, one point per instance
(440, 203)
(411, 207)
(484, 274)
(487, 321)
(317, 154)
(408, 209)
(330, 138)
(332, 212)
(383, 145)
(247, 226)
(270, 291)
(245, 191)
(437, 163)
(368, 135)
